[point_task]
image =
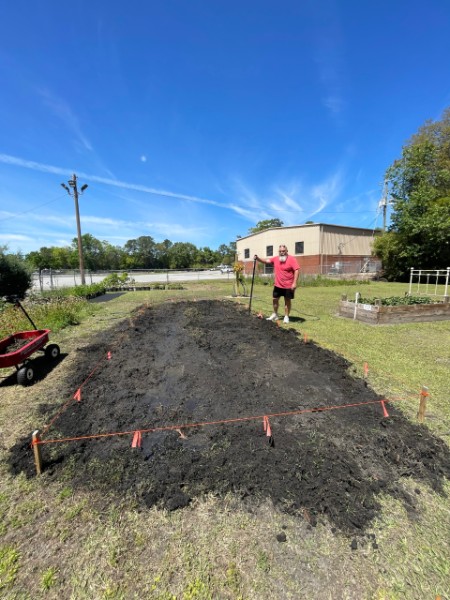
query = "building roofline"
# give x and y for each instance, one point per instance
(244, 237)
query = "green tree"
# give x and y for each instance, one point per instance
(146, 251)
(15, 276)
(163, 254)
(267, 224)
(206, 257)
(61, 257)
(419, 184)
(182, 255)
(113, 256)
(227, 253)
(92, 251)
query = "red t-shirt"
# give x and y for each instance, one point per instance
(284, 271)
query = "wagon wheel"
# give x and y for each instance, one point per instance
(52, 351)
(25, 375)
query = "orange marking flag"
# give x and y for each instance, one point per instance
(137, 440)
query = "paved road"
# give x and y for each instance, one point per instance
(61, 280)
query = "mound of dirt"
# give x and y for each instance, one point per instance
(212, 371)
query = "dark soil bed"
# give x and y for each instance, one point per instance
(191, 363)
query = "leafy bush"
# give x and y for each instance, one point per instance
(116, 280)
(79, 291)
(15, 278)
(399, 300)
(174, 286)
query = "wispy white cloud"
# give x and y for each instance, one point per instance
(43, 168)
(8, 237)
(107, 221)
(61, 109)
(334, 104)
(291, 202)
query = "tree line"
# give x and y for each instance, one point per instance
(141, 253)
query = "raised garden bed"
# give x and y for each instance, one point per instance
(389, 315)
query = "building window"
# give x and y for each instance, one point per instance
(247, 253)
(269, 250)
(299, 247)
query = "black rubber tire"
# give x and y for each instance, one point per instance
(25, 375)
(52, 351)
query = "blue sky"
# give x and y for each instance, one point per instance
(194, 120)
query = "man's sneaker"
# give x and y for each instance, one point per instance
(286, 319)
(273, 317)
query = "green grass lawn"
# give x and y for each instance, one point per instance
(57, 541)
(401, 358)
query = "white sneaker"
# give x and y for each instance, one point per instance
(273, 317)
(286, 319)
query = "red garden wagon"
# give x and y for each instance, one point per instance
(24, 344)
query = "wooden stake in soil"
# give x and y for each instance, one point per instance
(422, 404)
(35, 439)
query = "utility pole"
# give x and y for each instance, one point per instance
(383, 204)
(73, 184)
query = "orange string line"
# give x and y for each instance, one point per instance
(116, 343)
(66, 404)
(221, 422)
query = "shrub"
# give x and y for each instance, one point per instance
(399, 300)
(174, 286)
(79, 291)
(15, 278)
(116, 280)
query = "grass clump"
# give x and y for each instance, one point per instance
(9, 565)
(50, 313)
(48, 579)
(321, 281)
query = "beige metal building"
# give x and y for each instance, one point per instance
(318, 248)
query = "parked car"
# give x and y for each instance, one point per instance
(226, 270)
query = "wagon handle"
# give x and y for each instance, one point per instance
(19, 305)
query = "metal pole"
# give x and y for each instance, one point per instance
(251, 289)
(410, 281)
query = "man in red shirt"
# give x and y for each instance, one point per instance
(286, 276)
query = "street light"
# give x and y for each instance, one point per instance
(73, 184)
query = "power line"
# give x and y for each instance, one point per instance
(24, 212)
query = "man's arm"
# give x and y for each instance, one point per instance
(296, 274)
(262, 260)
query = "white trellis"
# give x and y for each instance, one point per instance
(430, 282)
